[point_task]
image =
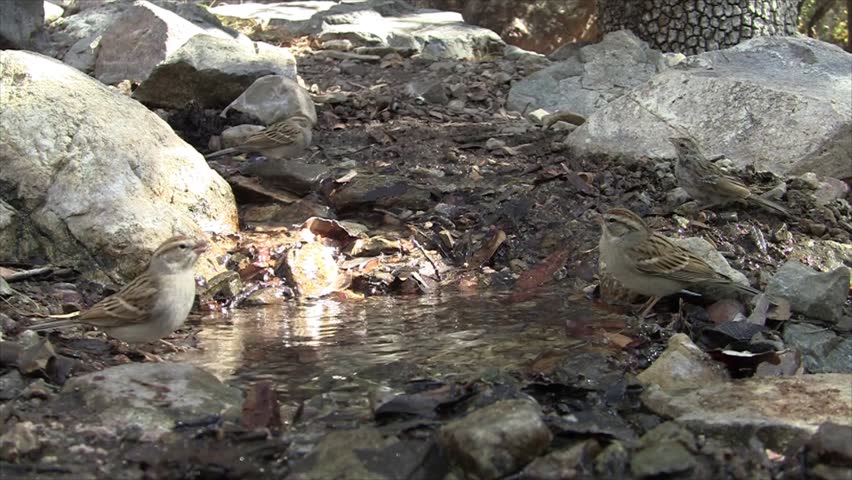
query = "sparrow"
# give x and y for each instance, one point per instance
(284, 139)
(707, 183)
(152, 305)
(650, 264)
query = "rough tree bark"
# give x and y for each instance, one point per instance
(694, 26)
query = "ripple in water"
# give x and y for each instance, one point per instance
(313, 346)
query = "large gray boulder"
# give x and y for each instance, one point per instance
(782, 104)
(20, 22)
(142, 37)
(212, 72)
(76, 38)
(91, 178)
(590, 78)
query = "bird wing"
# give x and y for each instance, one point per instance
(724, 184)
(659, 256)
(277, 134)
(130, 305)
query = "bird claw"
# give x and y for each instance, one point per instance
(174, 348)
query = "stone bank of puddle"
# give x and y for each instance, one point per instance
(311, 347)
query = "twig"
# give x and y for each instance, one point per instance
(17, 276)
(423, 251)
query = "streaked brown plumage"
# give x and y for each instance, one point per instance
(704, 181)
(152, 305)
(285, 139)
(651, 264)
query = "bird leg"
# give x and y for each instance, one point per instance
(150, 357)
(643, 313)
(171, 345)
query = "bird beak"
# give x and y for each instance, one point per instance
(200, 246)
(599, 220)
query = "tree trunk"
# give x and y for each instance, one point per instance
(694, 26)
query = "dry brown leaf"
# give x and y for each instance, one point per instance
(484, 254)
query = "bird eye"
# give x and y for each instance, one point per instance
(610, 220)
(182, 246)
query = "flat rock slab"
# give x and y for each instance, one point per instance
(151, 395)
(375, 23)
(777, 410)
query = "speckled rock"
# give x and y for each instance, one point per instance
(816, 295)
(151, 395)
(496, 440)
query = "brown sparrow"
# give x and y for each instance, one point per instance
(154, 304)
(649, 263)
(707, 183)
(284, 139)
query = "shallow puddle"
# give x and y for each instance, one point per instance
(312, 347)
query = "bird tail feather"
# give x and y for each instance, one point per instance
(220, 152)
(54, 324)
(769, 205)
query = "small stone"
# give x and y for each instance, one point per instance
(822, 349)
(342, 45)
(676, 198)
(18, 441)
(612, 461)
(494, 144)
(264, 296)
(312, 269)
(782, 235)
(226, 285)
(661, 459)
(808, 180)
(11, 384)
(354, 68)
(818, 229)
(496, 440)
(456, 105)
(683, 365)
(811, 293)
(7, 324)
(831, 444)
(561, 464)
(502, 77)
(561, 126)
(537, 116)
(725, 310)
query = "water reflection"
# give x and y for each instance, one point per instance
(313, 346)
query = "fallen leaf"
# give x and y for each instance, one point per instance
(618, 339)
(261, 408)
(484, 254)
(543, 272)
